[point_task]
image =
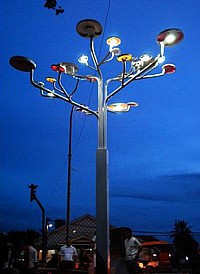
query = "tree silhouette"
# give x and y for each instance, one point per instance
(184, 243)
(52, 4)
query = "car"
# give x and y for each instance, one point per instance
(155, 256)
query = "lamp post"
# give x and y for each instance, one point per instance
(69, 172)
(132, 69)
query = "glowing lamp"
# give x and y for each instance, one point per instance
(113, 42)
(83, 60)
(50, 79)
(124, 58)
(169, 68)
(170, 37)
(50, 95)
(57, 68)
(121, 107)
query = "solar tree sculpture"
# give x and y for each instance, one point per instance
(132, 69)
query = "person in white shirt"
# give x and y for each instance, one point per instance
(68, 255)
(132, 249)
(30, 257)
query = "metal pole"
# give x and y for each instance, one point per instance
(102, 189)
(43, 231)
(69, 172)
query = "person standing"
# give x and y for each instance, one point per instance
(132, 249)
(30, 258)
(68, 255)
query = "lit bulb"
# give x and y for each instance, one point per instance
(170, 39)
(161, 59)
(145, 57)
(83, 60)
(113, 42)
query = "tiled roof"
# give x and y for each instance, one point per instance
(82, 228)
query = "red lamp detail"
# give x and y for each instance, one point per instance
(169, 68)
(57, 68)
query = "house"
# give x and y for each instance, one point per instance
(82, 231)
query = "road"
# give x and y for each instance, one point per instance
(119, 267)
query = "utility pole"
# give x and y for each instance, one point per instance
(34, 197)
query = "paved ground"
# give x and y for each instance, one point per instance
(118, 267)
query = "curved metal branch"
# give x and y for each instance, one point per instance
(105, 58)
(94, 57)
(61, 86)
(146, 69)
(75, 89)
(60, 96)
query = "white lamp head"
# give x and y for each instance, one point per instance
(83, 60)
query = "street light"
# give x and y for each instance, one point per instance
(132, 69)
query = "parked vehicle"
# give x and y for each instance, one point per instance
(155, 256)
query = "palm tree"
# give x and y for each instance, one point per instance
(184, 243)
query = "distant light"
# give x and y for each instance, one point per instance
(83, 60)
(141, 265)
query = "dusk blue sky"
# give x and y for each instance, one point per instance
(154, 150)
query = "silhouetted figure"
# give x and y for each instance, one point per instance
(84, 259)
(53, 262)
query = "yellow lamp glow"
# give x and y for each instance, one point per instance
(113, 41)
(121, 107)
(124, 58)
(50, 79)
